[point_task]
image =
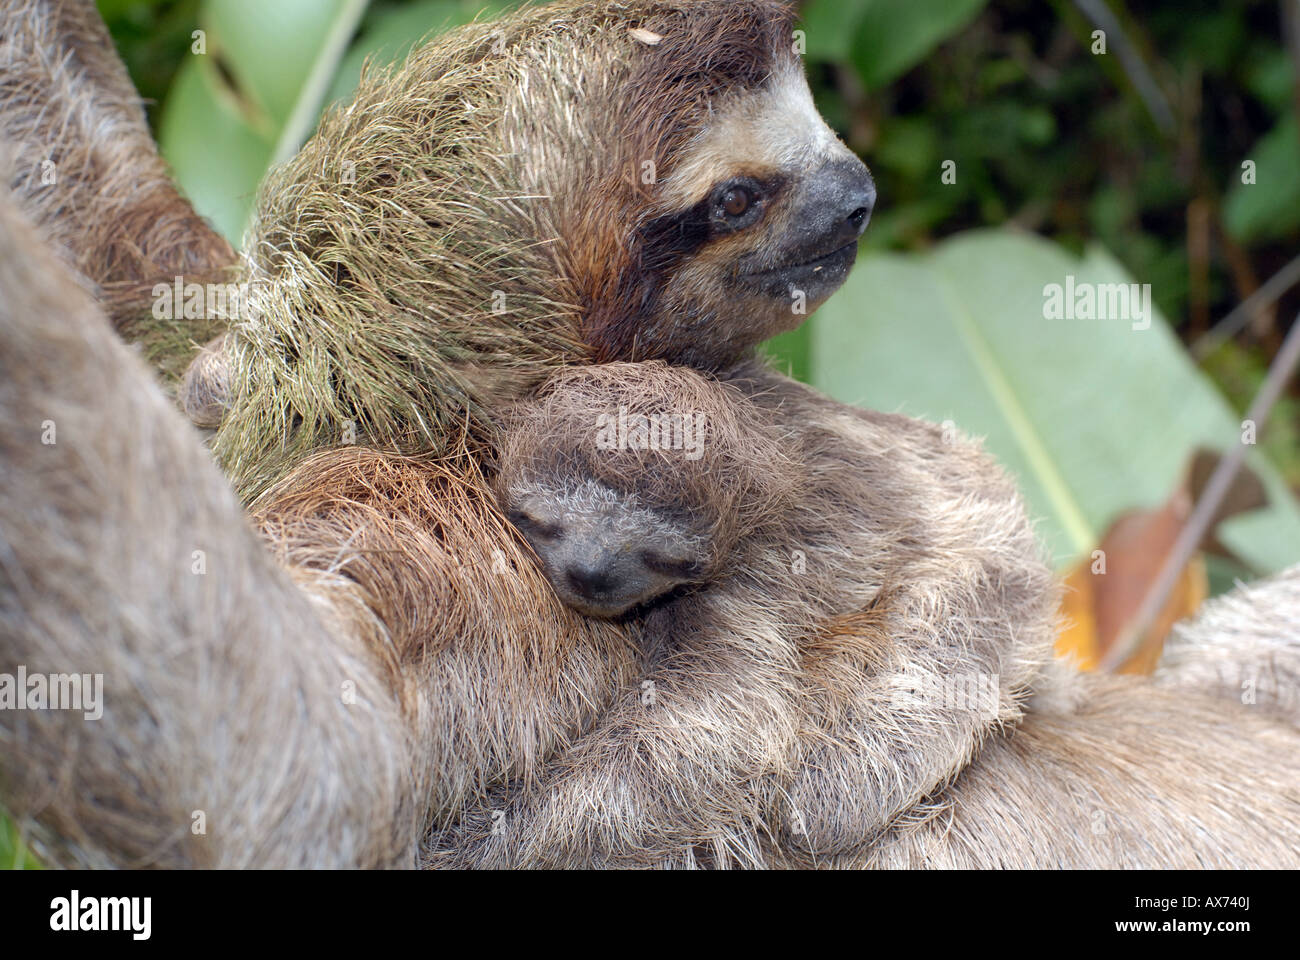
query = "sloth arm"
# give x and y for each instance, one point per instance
(224, 739)
(937, 612)
(873, 756)
(85, 171)
(414, 557)
(669, 765)
(1131, 775)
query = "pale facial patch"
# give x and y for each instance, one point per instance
(775, 128)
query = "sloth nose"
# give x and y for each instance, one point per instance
(858, 218)
(591, 580)
(848, 195)
(859, 198)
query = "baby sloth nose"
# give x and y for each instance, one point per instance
(591, 580)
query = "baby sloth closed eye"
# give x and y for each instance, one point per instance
(602, 551)
(634, 482)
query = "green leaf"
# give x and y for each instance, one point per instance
(14, 854)
(1092, 416)
(892, 36)
(251, 36)
(1268, 77)
(217, 157)
(1269, 208)
(828, 27)
(251, 98)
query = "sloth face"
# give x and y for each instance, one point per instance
(765, 207)
(602, 552)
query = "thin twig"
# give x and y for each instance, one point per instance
(1198, 524)
(1267, 294)
(1143, 82)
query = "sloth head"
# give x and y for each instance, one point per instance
(631, 481)
(603, 552)
(721, 208)
(598, 180)
(755, 226)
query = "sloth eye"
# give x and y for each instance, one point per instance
(737, 204)
(685, 568)
(736, 201)
(527, 524)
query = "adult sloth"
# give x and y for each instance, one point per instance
(595, 181)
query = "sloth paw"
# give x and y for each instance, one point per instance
(204, 391)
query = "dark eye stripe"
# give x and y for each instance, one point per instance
(685, 569)
(531, 525)
(667, 239)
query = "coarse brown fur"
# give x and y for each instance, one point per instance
(502, 204)
(408, 663)
(423, 567)
(1070, 785)
(125, 553)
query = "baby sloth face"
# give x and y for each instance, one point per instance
(603, 552)
(621, 514)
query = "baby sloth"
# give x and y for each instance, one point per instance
(829, 623)
(635, 481)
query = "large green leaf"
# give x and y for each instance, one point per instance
(828, 27)
(1093, 416)
(389, 33)
(251, 98)
(216, 155)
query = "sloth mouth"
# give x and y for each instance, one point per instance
(817, 277)
(621, 607)
(811, 265)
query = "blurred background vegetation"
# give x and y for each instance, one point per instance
(1117, 166)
